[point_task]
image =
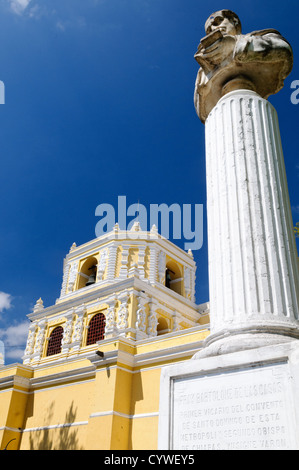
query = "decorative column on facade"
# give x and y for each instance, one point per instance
(78, 327)
(123, 272)
(141, 262)
(123, 313)
(36, 336)
(66, 272)
(110, 327)
(140, 324)
(162, 267)
(30, 343)
(66, 342)
(253, 269)
(102, 264)
(176, 319)
(152, 264)
(39, 341)
(152, 318)
(111, 265)
(187, 282)
(65, 279)
(73, 271)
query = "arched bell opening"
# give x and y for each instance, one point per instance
(88, 273)
(173, 277)
(162, 326)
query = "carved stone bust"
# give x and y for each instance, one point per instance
(229, 60)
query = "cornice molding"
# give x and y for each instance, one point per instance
(63, 377)
(128, 237)
(158, 291)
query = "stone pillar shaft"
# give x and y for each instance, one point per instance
(253, 266)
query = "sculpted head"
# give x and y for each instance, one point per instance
(225, 20)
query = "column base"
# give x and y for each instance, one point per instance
(243, 339)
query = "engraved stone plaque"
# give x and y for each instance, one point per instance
(249, 408)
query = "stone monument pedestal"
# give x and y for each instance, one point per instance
(244, 400)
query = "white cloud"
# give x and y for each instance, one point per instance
(60, 25)
(5, 301)
(14, 338)
(14, 354)
(79, 23)
(15, 335)
(295, 209)
(33, 9)
(18, 6)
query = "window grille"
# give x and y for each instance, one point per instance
(96, 329)
(54, 345)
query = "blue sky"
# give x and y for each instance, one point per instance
(98, 104)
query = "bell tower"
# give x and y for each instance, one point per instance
(129, 284)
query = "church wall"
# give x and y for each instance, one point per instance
(92, 403)
(14, 382)
(144, 433)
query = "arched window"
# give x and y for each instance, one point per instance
(96, 329)
(54, 344)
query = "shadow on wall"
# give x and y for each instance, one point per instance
(63, 438)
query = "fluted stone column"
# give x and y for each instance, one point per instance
(249, 362)
(253, 266)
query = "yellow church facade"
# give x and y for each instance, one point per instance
(90, 377)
